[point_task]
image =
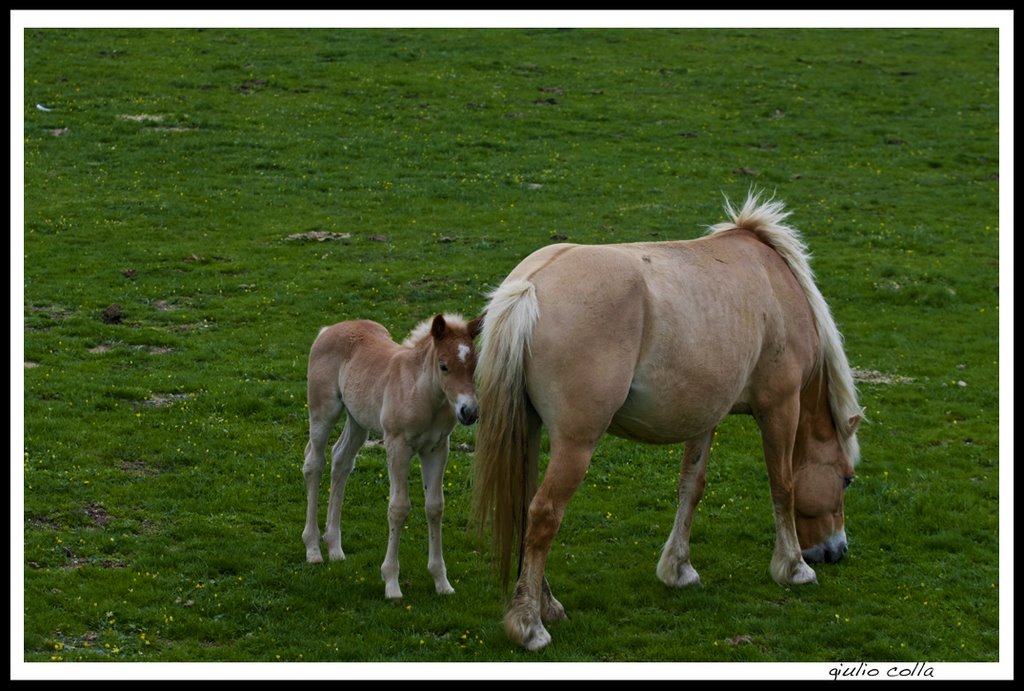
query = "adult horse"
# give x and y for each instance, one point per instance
(412, 394)
(658, 342)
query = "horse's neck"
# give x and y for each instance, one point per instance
(815, 411)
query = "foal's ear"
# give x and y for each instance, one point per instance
(475, 326)
(438, 327)
(854, 423)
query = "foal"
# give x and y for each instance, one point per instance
(412, 394)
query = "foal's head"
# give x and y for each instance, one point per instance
(455, 360)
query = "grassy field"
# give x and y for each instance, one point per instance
(198, 203)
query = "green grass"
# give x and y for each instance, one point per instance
(163, 495)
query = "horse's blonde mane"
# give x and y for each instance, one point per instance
(422, 330)
(766, 220)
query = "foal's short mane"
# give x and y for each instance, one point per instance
(422, 330)
(766, 221)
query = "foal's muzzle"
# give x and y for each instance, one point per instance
(467, 410)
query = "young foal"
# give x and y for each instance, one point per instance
(412, 394)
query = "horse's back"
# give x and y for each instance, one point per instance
(661, 339)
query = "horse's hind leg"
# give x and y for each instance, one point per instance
(343, 458)
(533, 602)
(399, 456)
(674, 567)
(433, 464)
(324, 410)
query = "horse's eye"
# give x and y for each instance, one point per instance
(444, 367)
(847, 481)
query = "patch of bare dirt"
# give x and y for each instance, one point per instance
(79, 562)
(142, 117)
(138, 467)
(164, 306)
(97, 514)
(114, 314)
(317, 236)
(870, 376)
(162, 400)
(108, 347)
(42, 522)
(194, 326)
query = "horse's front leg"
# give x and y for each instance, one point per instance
(778, 434)
(433, 464)
(674, 567)
(399, 456)
(532, 603)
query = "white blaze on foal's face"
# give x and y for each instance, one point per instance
(463, 352)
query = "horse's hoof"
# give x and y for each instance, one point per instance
(338, 555)
(795, 573)
(552, 611)
(538, 639)
(445, 588)
(535, 638)
(313, 556)
(803, 574)
(392, 592)
(530, 635)
(679, 577)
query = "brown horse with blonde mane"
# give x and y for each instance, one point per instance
(412, 394)
(658, 342)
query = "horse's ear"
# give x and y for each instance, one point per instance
(438, 327)
(854, 423)
(476, 326)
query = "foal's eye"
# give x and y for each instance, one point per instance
(847, 481)
(444, 367)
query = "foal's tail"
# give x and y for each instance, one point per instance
(766, 221)
(504, 472)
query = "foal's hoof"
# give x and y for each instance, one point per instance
(313, 555)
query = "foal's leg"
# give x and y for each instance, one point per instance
(399, 455)
(343, 459)
(532, 598)
(778, 434)
(433, 463)
(324, 410)
(674, 567)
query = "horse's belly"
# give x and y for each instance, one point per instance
(662, 414)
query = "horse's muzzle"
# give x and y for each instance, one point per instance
(828, 552)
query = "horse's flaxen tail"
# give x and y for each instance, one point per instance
(766, 220)
(504, 473)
